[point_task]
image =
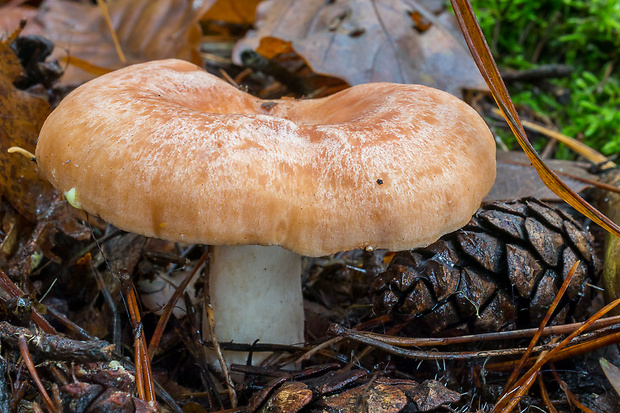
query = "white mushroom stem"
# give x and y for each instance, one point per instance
(256, 295)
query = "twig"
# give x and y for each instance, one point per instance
(163, 320)
(65, 321)
(316, 349)
(14, 291)
(543, 323)
(591, 182)
(143, 363)
(586, 343)
(218, 351)
(107, 296)
(545, 395)
(511, 400)
(536, 367)
(23, 349)
(210, 319)
(537, 73)
(56, 347)
(336, 329)
(477, 338)
(577, 146)
(108, 20)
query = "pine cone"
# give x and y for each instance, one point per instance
(501, 271)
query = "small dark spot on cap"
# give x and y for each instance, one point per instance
(380, 181)
(268, 105)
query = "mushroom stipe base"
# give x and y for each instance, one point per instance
(256, 295)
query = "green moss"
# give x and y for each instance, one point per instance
(582, 34)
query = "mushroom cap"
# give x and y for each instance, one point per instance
(166, 150)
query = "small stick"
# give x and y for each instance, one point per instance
(165, 316)
(23, 349)
(569, 394)
(536, 367)
(220, 356)
(545, 395)
(64, 320)
(108, 20)
(588, 343)
(476, 338)
(14, 291)
(316, 349)
(543, 323)
(56, 347)
(505, 404)
(142, 361)
(138, 364)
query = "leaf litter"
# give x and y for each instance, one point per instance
(337, 288)
(147, 30)
(366, 41)
(23, 115)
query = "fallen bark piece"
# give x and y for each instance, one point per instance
(56, 347)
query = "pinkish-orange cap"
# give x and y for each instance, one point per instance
(167, 150)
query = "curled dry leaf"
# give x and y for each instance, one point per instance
(369, 41)
(146, 29)
(22, 117)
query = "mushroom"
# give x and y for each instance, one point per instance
(166, 150)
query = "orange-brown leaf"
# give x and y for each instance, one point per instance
(232, 11)
(270, 47)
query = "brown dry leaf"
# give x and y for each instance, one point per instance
(431, 395)
(146, 29)
(367, 41)
(21, 118)
(290, 398)
(232, 11)
(378, 397)
(517, 178)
